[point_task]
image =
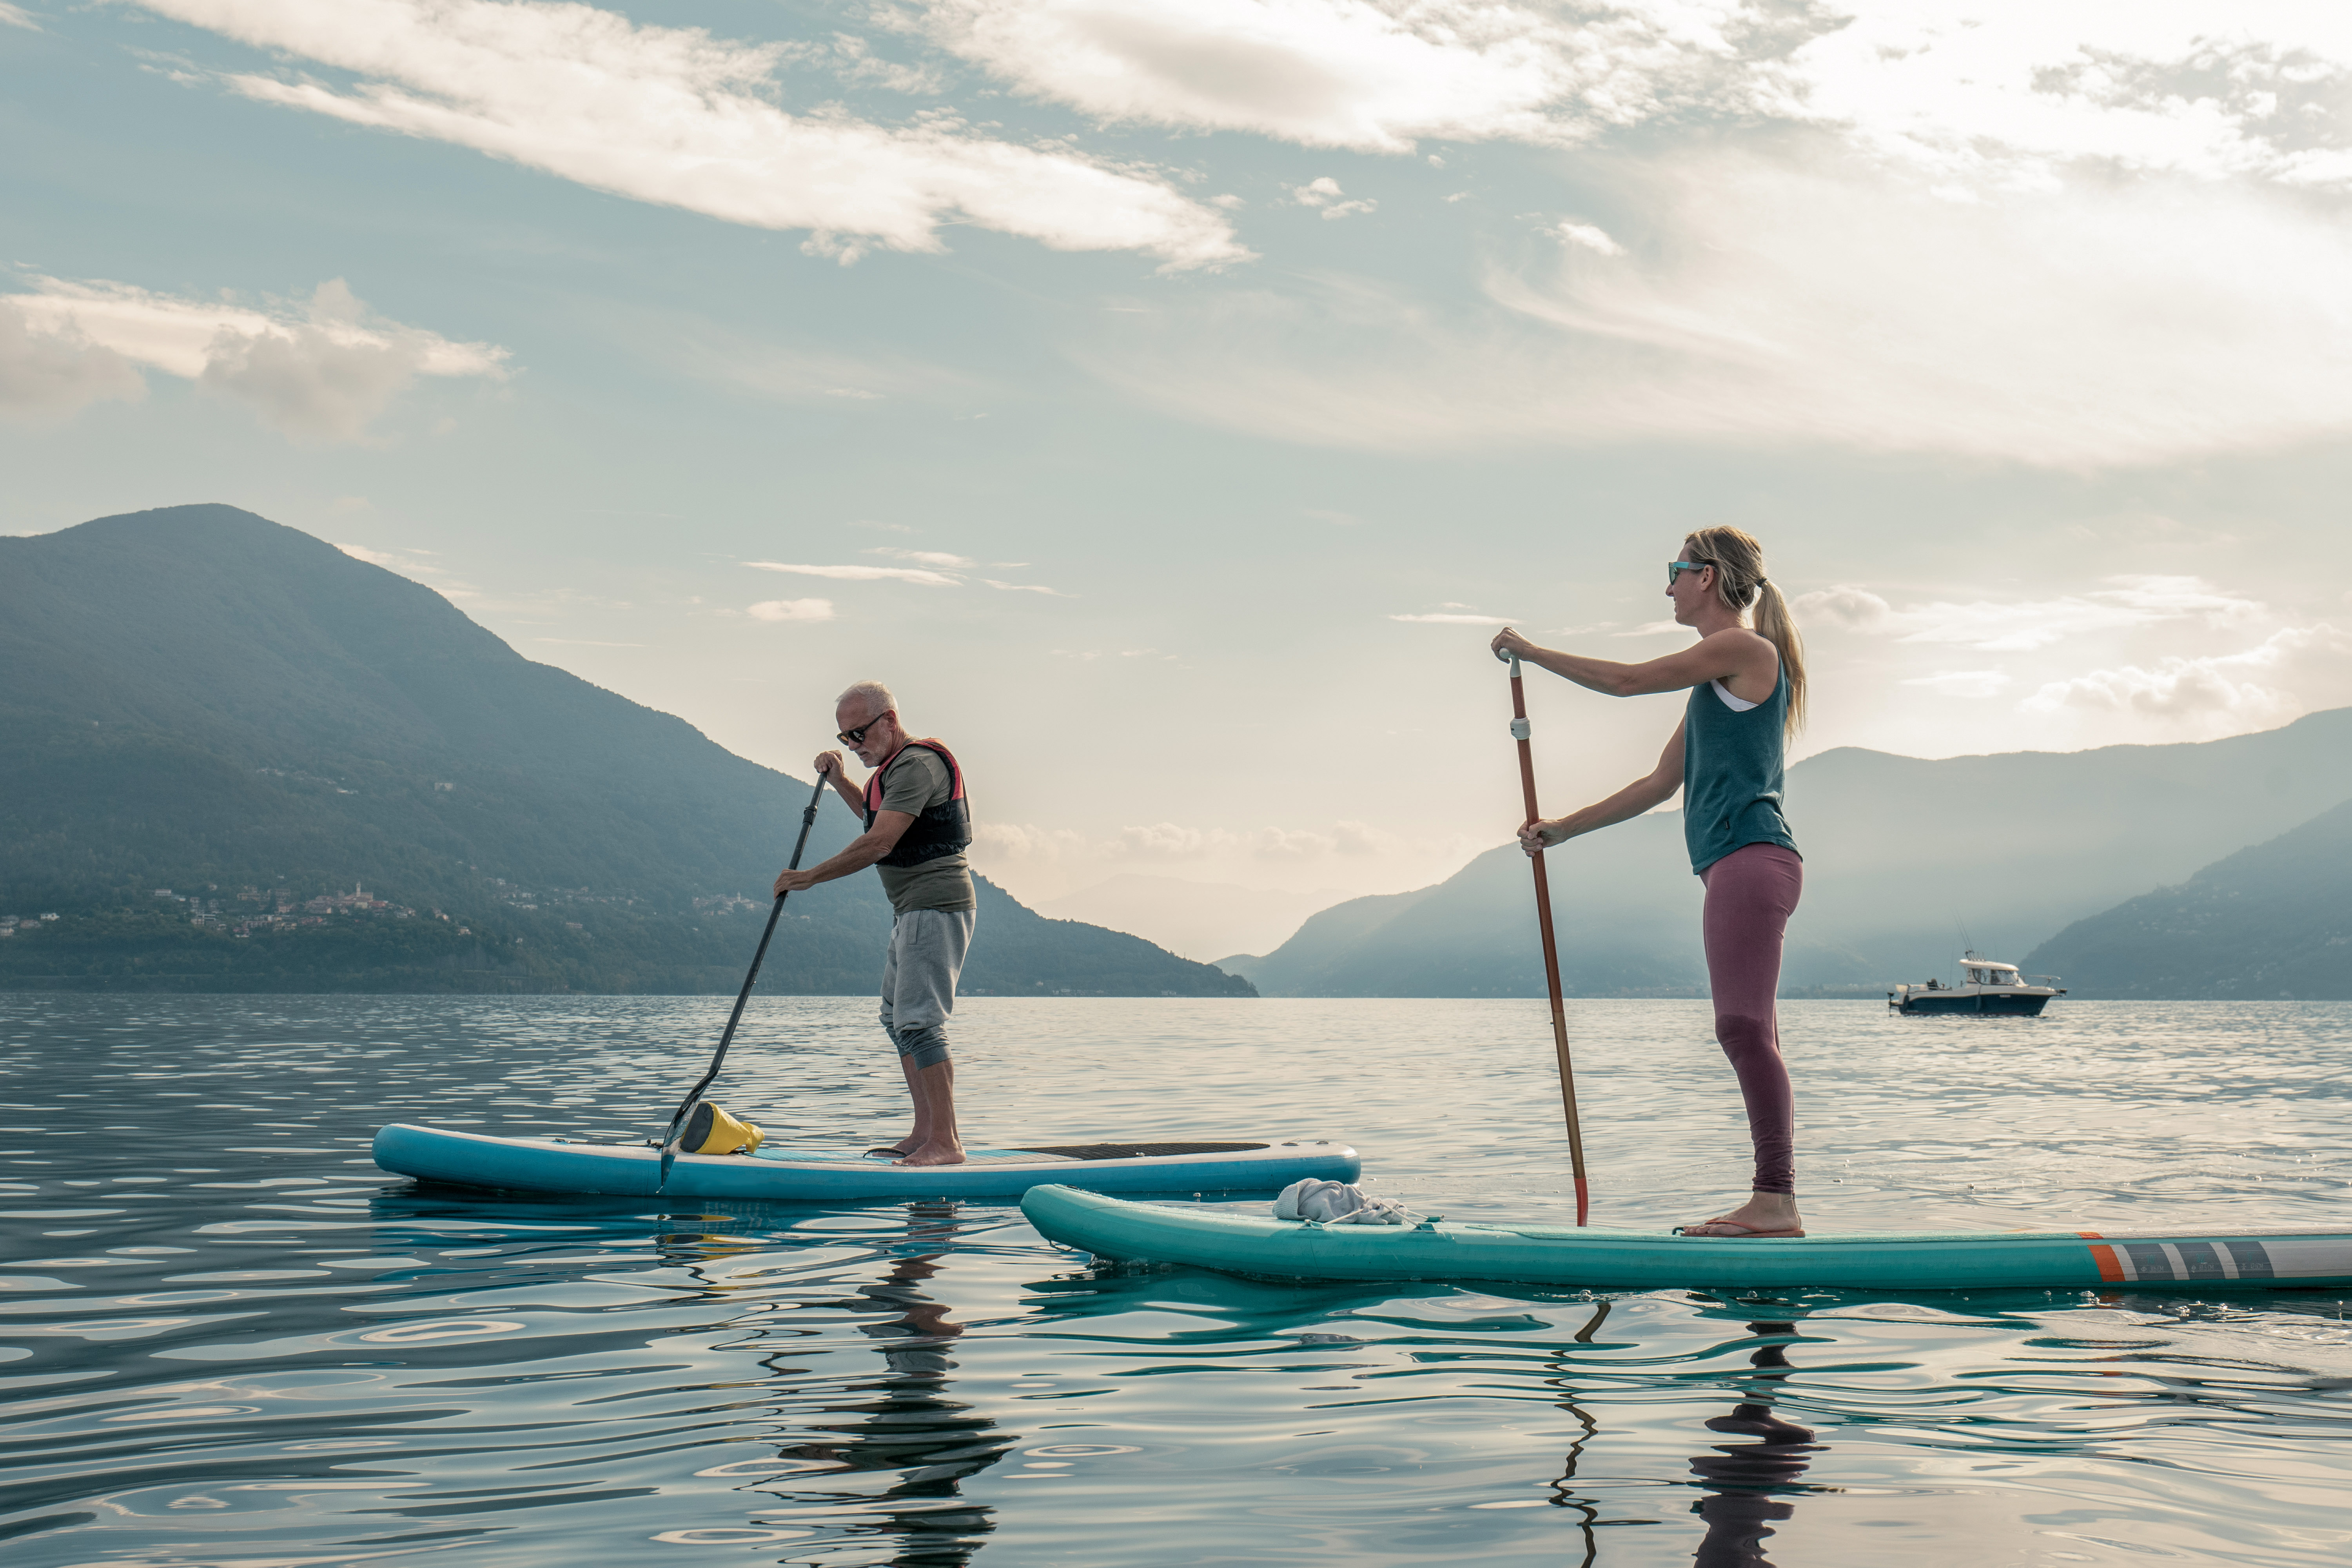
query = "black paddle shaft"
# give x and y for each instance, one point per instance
(808, 820)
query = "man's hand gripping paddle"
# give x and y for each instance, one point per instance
(1550, 952)
(685, 1107)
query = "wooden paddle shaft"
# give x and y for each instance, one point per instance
(1551, 949)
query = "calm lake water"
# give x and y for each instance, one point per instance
(226, 1338)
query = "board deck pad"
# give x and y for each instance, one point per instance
(784, 1173)
(1246, 1242)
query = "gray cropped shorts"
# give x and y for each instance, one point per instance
(919, 981)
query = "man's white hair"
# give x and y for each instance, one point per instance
(873, 694)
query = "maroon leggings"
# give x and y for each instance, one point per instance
(1751, 893)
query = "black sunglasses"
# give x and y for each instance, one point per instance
(853, 737)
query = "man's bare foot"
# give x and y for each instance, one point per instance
(933, 1154)
(1764, 1213)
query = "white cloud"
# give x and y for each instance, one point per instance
(50, 368)
(17, 17)
(1963, 682)
(1351, 73)
(325, 379)
(673, 116)
(2008, 93)
(2221, 694)
(1590, 236)
(2011, 92)
(862, 573)
(417, 566)
(854, 61)
(1028, 588)
(791, 610)
(2099, 324)
(1456, 618)
(2133, 322)
(2168, 598)
(2019, 625)
(179, 336)
(921, 557)
(322, 371)
(1846, 605)
(1325, 193)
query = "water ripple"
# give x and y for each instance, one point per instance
(226, 1338)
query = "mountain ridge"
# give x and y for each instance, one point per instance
(200, 699)
(1907, 860)
(2274, 920)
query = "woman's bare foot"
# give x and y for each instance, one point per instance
(1764, 1213)
(948, 1153)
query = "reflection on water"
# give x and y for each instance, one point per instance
(226, 1338)
(1746, 1484)
(1565, 1495)
(911, 1429)
(1748, 1480)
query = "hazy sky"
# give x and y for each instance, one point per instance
(1166, 395)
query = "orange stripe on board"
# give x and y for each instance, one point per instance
(2111, 1271)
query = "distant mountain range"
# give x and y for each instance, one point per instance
(2268, 922)
(1907, 861)
(200, 700)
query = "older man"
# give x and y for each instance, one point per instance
(917, 828)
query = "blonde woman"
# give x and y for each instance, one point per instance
(1746, 689)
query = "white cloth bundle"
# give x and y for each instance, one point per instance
(1338, 1203)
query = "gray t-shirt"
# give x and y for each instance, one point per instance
(913, 782)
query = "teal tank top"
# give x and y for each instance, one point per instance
(1732, 774)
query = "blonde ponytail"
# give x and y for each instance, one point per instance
(1740, 583)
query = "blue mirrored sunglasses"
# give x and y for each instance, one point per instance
(1676, 568)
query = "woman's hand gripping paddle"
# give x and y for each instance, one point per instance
(1550, 952)
(678, 1122)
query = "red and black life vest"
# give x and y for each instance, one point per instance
(941, 829)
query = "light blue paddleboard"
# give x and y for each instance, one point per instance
(1245, 1243)
(824, 1176)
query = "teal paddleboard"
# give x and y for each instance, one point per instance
(1240, 1242)
(828, 1175)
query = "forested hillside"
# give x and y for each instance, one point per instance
(200, 700)
(2269, 921)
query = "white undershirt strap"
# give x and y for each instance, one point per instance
(1737, 704)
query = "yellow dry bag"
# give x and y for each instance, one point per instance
(710, 1130)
